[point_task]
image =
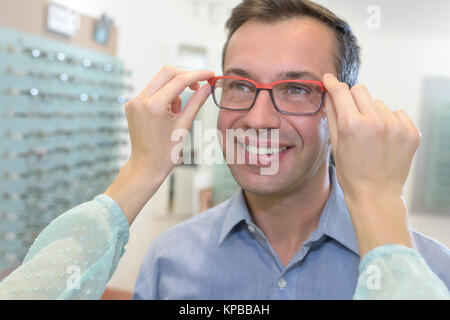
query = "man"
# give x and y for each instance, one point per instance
(295, 234)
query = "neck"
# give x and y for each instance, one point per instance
(288, 219)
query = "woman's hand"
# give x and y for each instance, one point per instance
(155, 114)
(152, 118)
(373, 148)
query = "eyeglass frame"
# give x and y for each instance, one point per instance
(260, 86)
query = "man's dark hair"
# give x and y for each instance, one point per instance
(272, 11)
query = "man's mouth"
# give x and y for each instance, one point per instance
(261, 156)
(263, 151)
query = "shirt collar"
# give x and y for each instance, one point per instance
(335, 221)
(237, 211)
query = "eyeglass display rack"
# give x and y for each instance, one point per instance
(436, 194)
(432, 180)
(62, 133)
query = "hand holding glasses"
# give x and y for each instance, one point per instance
(291, 97)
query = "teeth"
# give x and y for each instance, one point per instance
(263, 151)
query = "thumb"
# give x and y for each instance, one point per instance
(194, 104)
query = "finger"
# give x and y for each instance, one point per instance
(331, 119)
(343, 102)
(404, 118)
(166, 74)
(131, 127)
(176, 105)
(382, 110)
(195, 86)
(363, 99)
(175, 87)
(194, 104)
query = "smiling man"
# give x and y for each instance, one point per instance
(288, 235)
(307, 230)
(286, 206)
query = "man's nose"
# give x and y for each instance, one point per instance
(263, 114)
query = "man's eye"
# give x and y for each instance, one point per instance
(297, 90)
(240, 86)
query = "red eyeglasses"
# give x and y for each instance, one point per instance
(291, 97)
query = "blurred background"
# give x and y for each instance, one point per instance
(67, 68)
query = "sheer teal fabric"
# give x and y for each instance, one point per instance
(397, 272)
(75, 256)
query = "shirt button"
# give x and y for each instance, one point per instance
(251, 229)
(282, 283)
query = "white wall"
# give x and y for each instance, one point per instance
(413, 42)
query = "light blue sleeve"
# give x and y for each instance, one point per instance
(74, 256)
(396, 272)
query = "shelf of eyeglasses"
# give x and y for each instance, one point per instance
(12, 176)
(50, 204)
(32, 217)
(41, 134)
(23, 217)
(14, 236)
(82, 97)
(83, 185)
(11, 257)
(81, 188)
(25, 242)
(36, 207)
(61, 57)
(39, 208)
(27, 235)
(65, 115)
(23, 237)
(64, 77)
(16, 231)
(83, 179)
(18, 248)
(30, 208)
(13, 220)
(44, 153)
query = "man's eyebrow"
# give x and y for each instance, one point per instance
(282, 75)
(238, 71)
(293, 75)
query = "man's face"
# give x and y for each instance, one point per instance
(264, 52)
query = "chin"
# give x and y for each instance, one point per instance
(259, 184)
